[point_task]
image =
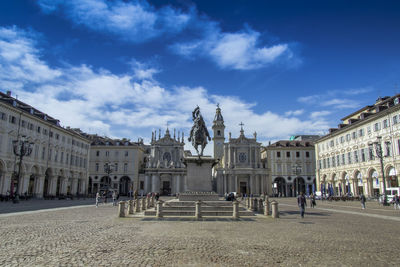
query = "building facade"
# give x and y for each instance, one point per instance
(164, 171)
(346, 158)
(124, 158)
(239, 169)
(291, 164)
(59, 158)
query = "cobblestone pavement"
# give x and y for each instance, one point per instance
(89, 236)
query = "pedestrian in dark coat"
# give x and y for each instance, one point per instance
(301, 201)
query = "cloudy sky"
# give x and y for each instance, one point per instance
(126, 68)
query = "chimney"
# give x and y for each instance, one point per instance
(9, 93)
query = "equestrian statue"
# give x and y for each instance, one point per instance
(199, 133)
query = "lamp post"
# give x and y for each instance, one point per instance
(108, 168)
(22, 147)
(296, 171)
(379, 154)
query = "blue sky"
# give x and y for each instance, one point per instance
(125, 68)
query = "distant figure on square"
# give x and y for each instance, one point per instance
(312, 201)
(301, 201)
(396, 202)
(97, 199)
(362, 200)
(114, 198)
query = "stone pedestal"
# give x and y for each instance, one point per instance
(199, 173)
(198, 210)
(275, 211)
(137, 207)
(235, 214)
(121, 209)
(266, 207)
(159, 209)
(130, 207)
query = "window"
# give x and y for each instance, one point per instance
(342, 139)
(126, 153)
(116, 166)
(3, 116)
(371, 153)
(63, 139)
(12, 119)
(97, 153)
(362, 155)
(337, 160)
(97, 167)
(36, 151)
(347, 137)
(307, 154)
(377, 126)
(219, 133)
(62, 156)
(324, 163)
(369, 129)
(66, 159)
(45, 131)
(50, 133)
(125, 167)
(395, 119)
(57, 136)
(387, 149)
(354, 135)
(328, 162)
(288, 154)
(297, 154)
(343, 159)
(23, 123)
(56, 156)
(279, 167)
(385, 124)
(356, 156)
(43, 152)
(141, 185)
(319, 164)
(349, 157)
(107, 153)
(361, 132)
(332, 143)
(278, 154)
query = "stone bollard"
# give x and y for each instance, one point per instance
(250, 203)
(255, 204)
(260, 205)
(266, 207)
(198, 210)
(143, 202)
(275, 211)
(130, 207)
(152, 200)
(137, 207)
(121, 209)
(159, 209)
(235, 214)
(148, 202)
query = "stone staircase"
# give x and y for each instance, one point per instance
(208, 208)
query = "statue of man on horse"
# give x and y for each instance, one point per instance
(199, 133)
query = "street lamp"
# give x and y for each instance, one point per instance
(296, 171)
(108, 168)
(22, 147)
(379, 154)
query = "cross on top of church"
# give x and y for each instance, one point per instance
(217, 105)
(241, 124)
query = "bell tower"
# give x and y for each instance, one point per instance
(219, 134)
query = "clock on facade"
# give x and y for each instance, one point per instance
(242, 157)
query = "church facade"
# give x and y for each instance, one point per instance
(240, 168)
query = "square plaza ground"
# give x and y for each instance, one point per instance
(337, 233)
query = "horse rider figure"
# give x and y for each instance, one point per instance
(199, 133)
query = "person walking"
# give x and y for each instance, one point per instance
(312, 201)
(97, 199)
(114, 197)
(362, 199)
(301, 201)
(396, 202)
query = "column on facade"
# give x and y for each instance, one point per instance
(225, 183)
(258, 184)
(74, 187)
(6, 183)
(251, 184)
(234, 156)
(236, 187)
(24, 183)
(155, 187)
(147, 183)
(178, 183)
(39, 183)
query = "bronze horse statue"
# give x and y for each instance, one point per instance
(199, 133)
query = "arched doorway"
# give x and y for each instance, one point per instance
(124, 185)
(373, 174)
(360, 185)
(279, 187)
(347, 186)
(299, 186)
(31, 185)
(166, 183)
(105, 183)
(392, 177)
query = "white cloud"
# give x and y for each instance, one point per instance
(239, 50)
(135, 21)
(101, 102)
(294, 112)
(319, 114)
(139, 21)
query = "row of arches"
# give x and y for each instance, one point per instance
(96, 184)
(282, 187)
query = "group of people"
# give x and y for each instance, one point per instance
(104, 196)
